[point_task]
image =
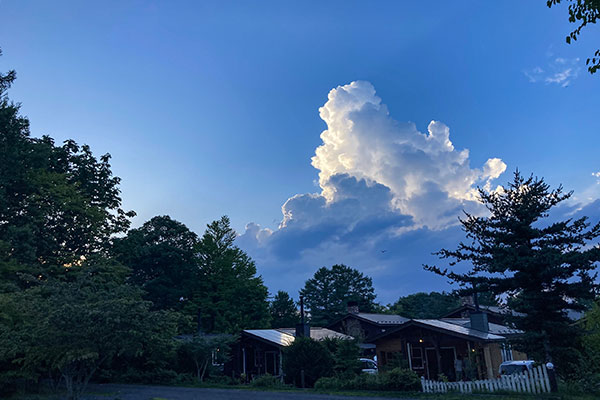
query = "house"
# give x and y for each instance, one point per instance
(365, 326)
(431, 346)
(260, 351)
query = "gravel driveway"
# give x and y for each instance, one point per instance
(143, 392)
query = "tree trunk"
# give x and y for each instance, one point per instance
(204, 370)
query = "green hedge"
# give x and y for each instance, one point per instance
(398, 379)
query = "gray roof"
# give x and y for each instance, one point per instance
(460, 330)
(496, 329)
(286, 336)
(382, 319)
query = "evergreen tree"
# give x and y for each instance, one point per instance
(228, 295)
(328, 292)
(284, 313)
(544, 268)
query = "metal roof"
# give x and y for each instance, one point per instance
(272, 335)
(496, 329)
(382, 319)
(286, 336)
(461, 330)
(318, 333)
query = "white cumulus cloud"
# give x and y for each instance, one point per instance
(383, 185)
(427, 176)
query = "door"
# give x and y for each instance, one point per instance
(447, 356)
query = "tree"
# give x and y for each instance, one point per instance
(58, 204)
(583, 12)
(162, 257)
(544, 268)
(425, 305)
(310, 356)
(328, 292)
(70, 327)
(284, 313)
(201, 350)
(229, 295)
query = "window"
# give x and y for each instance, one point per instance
(417, 357)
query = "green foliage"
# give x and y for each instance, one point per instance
(583, 12)
(267, 381)
(284, 313)
(346, 357)
(397, 379)
(328, 292)
(161, 255)
(394, 360)
(308, 355)
(73, 326)
(425, 305)
(227, 291)
(202, 350)
(544, 269)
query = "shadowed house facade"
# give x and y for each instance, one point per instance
(431, 346)
(260, 351)
(366, 326)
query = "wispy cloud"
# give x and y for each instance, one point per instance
(559, 71)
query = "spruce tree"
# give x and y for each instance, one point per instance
(540, 267)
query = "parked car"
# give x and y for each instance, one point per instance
(368, 366)
(515, 367)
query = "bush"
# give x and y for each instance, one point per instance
(308, 355)
(398, 379)
(402, 379)
(266, 381)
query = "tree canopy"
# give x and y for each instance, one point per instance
(284, 313)
(229, 295)
(162, 256)
(583, 12)
(544, 268)
(328, 292)
(425, 305)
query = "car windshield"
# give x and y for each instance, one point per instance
(512, 369)
(368, 365)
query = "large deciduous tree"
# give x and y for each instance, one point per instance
(544, 268)
(68, 328)
(162, 257)
(58, 204)
(328, 292)
(425, 305)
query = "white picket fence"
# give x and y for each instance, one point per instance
(531, 381)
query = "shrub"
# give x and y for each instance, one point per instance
(398, 379)
(308, 355)
(347, 357)
(402, 379)
(266, 381)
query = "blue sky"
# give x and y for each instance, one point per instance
(212, 108)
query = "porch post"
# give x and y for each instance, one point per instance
(409, 355)
(244, 360)
(488, 362)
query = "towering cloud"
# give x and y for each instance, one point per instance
(382, 182)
